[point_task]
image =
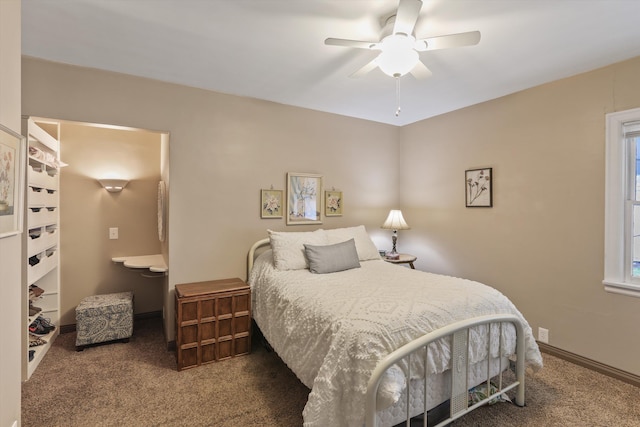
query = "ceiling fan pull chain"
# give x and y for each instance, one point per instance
(397, 96)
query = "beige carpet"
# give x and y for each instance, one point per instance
(136, 384)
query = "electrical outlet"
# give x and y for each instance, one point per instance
(113, 233)
(543, 335)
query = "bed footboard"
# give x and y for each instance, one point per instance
(460, 365)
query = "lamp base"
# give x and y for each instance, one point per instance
(392, 255)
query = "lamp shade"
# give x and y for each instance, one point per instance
(395, 221)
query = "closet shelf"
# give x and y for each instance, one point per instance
(155, 263)
(37, 135)
(41, 257)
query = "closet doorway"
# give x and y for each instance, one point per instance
(98, 225)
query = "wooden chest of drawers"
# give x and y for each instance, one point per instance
(213, 321)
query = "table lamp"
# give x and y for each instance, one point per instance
(395, 221)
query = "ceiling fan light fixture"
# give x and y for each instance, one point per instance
(398, 55)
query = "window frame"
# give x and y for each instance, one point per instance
(618, 223)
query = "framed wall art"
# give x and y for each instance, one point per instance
(271, 203)
(333, 203)
(304, 198)
(12, 160)
(479, 188)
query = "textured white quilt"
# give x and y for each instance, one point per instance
(332, 329)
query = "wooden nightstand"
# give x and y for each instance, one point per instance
(404, 259)
(213, 321)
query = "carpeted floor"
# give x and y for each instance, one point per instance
(136, 384)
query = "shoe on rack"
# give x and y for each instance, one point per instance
(41, 327)
(36, 329)
(33, 310)
(31, 354)
(35, 291)
(46, 323)
(35, 341)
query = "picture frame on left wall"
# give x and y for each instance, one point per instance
(333, 203)
(12, 165)
(271, 203)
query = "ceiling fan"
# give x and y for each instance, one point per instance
(399, 49)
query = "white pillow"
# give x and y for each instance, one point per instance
(288, 247)
(364, 245)
(332, 258)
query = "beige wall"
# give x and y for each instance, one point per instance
(10, 247)
(542, 242)
(222, 150)
(87, 212)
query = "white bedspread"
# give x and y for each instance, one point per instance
(332, 329)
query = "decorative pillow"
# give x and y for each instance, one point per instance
(332, 258)
(364, 245)
(288, 247)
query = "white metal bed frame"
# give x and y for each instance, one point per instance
(252, 254)
(460, 364)
(459, 402)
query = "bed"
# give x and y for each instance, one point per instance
(344, 321)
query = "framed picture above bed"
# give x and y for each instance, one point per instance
(333, 203)
(478, 188)
(12, 160)
(271, 203)
(304, 198)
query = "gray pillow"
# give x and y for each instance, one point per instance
(332, 258)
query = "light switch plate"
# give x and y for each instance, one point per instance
(113, 233)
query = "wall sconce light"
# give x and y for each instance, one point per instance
(113, 185)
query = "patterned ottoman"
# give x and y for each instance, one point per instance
(101, 318)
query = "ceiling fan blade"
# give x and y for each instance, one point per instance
(370, 66)
(406, 16)
(451, 40)
(420, 71)
(351, 43)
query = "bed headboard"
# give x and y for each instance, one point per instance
(252, 254)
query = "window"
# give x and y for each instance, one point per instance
(622, 203)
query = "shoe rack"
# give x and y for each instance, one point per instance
(41, 255)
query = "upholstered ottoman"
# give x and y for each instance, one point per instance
(102, 318)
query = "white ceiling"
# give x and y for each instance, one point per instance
(274, 49)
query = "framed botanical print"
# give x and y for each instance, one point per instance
(271, 203)
(333, 203)
(12, 164)
(304, 201)
(478, 188)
